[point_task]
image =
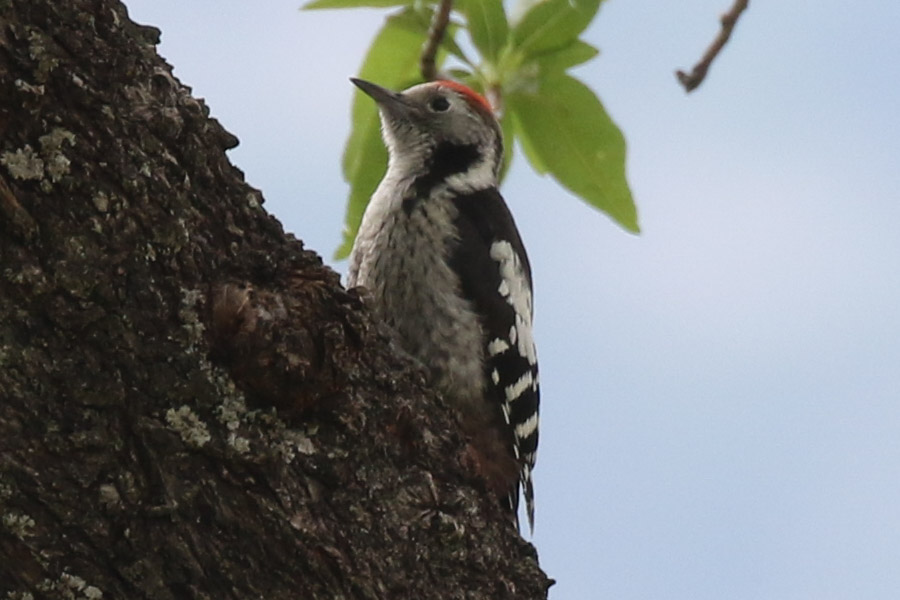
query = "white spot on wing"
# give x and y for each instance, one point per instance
(514, 287)
(523, 430)
(514, 391)
(497, 346)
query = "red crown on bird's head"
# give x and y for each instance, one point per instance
(468, 93)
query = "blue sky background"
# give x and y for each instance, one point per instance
(721, 415)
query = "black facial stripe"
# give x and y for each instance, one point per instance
(447, 159)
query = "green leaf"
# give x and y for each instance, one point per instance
(319, 4)
(460, 74)
(487, 25)
(576, 53)
(416, 20)
(564, 125)
(553, 24)
(363, 177)
(537, 163)
(392, 61)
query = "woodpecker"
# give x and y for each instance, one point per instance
(444, 266)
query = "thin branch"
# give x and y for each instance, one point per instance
(435, 37)
(494, 94)
(691, 80)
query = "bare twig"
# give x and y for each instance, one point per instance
(435, 37)
(691, 80)
(494, 94)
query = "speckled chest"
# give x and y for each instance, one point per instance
(404, 263)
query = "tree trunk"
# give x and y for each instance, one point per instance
(191, 406)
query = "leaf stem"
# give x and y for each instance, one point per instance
(494, 94)
(435, 37)
(692, 80)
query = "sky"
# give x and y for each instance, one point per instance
(721, 394)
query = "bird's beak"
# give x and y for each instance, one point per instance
(389, 101)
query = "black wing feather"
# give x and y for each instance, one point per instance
(484, 219)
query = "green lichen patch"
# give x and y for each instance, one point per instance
(71, 587)
(101, 201)
(56, 163)
(188, 425)
(24, 163)
(193, 325)
(53, 141)
(241, 445)
(39, 50)
(19, 525)
(231, 411)
(37, 90)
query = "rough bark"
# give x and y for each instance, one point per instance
(190, 404)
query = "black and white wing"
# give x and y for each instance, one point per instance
(495, 274)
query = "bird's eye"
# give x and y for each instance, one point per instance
(439, 104)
